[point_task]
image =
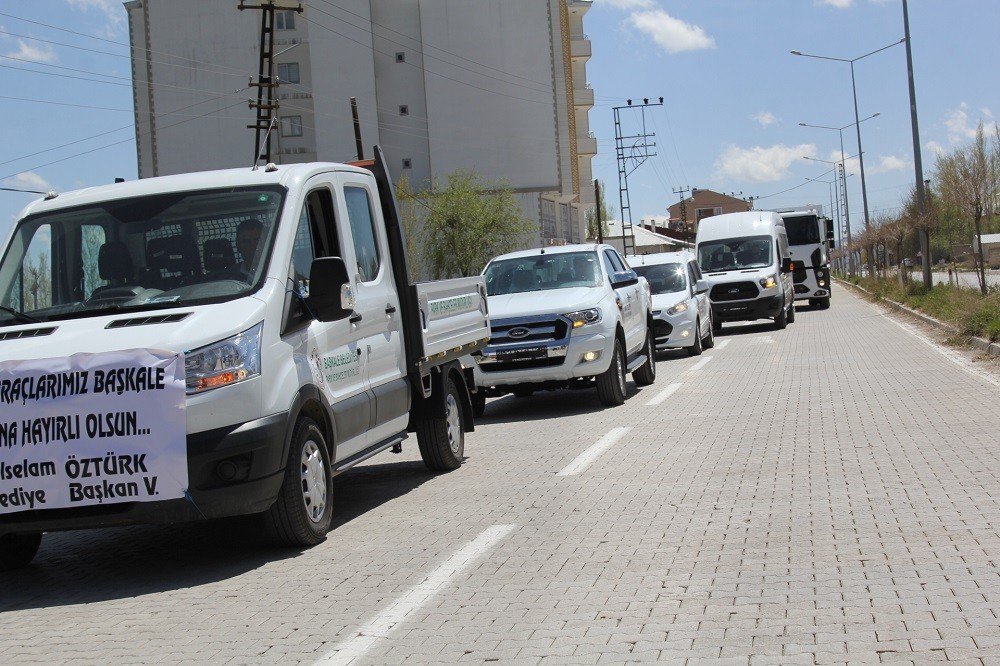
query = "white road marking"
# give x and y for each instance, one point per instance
(722, 345)
(949, 354)
(582, 461)
(381, 625)
(766, 340)
(700, 364)
(663, 395)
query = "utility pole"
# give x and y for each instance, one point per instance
(599, 216)
(359, 146)
(847, 215)
(918, 166)
(682, 192)
(631, 152)
(266, 82)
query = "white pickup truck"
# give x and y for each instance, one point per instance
(219, 344)
(572, 316)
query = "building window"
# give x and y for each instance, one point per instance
(291, 126)
(288, 72)
(284, 20)
(404, 110)
(407, 163)
(400, 56)
(701, 213)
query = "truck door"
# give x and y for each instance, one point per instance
(378, 308)
(332, 351)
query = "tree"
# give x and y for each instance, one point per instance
(411, 222)
(606, 213)
(467, 222)
(968, 179)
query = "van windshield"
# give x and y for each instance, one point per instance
(156, 251)
(734, 254)
(544, 271)
(664, 278)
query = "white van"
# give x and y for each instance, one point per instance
(745, 258)
(218, 344)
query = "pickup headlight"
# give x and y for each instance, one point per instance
(226, 362)
(677, 309)
(584, 317)
(769, 281)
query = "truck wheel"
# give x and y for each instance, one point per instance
(791, 313)
(611, 382)
(303, 512)
(478, 404)
(696, 348)
(824, 303)
(781, 321)
(441, 440)
(17, 550)
(709, 340)
(645, 374)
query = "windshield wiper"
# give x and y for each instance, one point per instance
(20, 316)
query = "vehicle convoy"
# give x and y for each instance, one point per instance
(571, 316)
(746, 260)
(682, 314)
(810, 239)
(218, 344)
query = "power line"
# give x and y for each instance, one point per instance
(15, 189)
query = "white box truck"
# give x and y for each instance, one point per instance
(810, 238)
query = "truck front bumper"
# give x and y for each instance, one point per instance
(254, 453)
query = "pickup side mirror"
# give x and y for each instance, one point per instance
(624, 279)
(701, 287)
(330, 296)
(787, 265)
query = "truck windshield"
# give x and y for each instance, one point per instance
(734, 254)
(156, 251)
(663, 278)
(544, 271)
(802, 230)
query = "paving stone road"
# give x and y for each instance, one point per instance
(823, 494)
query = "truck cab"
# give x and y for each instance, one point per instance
(279, 300)
(810, 238)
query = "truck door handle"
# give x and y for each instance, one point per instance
(390, 309)
(355, 318)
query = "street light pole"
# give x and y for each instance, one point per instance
(918, 166)
(861, 162)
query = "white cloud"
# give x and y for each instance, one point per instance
(764, 118)
(626, 4)
(839, 4)
(962, 127)
(29, 180)
(760, 164)
(935, 147)
(888, 163)
(25, 51)
(851, 164)
(114, 10)
(672, 34)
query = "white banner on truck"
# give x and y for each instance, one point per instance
(92, 429)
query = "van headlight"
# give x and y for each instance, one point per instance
(769, 281)
(677, 309)
(584, 317)
(226, 362)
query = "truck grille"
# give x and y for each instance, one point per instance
(800, 273)
(734, 291)
(514, 331)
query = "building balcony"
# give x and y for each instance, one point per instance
(586, 145)
(579, 48)
(583, 97)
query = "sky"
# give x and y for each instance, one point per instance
(733, 93)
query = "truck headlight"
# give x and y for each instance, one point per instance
(584, 317)
(769, 281)
(226, 362)
(677, 309)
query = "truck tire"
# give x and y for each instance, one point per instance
(303, 512)
(611, 382)
(791, 313)
(645, 374)
(781, 321)
(17, 550)
(709, 340)
(441, 439)
(696, 348)
(824, 303)
(478, 404)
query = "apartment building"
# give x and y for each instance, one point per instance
(498, 86)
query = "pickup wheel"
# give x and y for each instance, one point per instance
(611, 382)
(304, 511)
(696, 348)
(645, 374)
(17, 550)
(442, 440)
(478, 404)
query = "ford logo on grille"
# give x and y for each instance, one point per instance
(518, 333)
(734, 291)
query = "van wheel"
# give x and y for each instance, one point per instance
(523, 392)
(645, 374)
(441, 439)
(709, 340)
(304, 510)
(696, 348)
(824, 303)
(611, 382)
(781, 321)
(791, 313)
(478, 404)
(716, 326)
(17, 550)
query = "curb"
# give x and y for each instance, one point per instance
(981, 344)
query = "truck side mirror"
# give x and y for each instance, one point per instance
(624, 279)
(830, 235)
(701, 287)
(833, 243)
(787, 265)
(330, 295)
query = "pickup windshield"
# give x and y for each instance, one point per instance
(663, 278)
(563, 270)
(150, 252)
(734, 254)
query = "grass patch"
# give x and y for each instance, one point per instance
(967, 309)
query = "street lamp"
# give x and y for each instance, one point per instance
(857, 122)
